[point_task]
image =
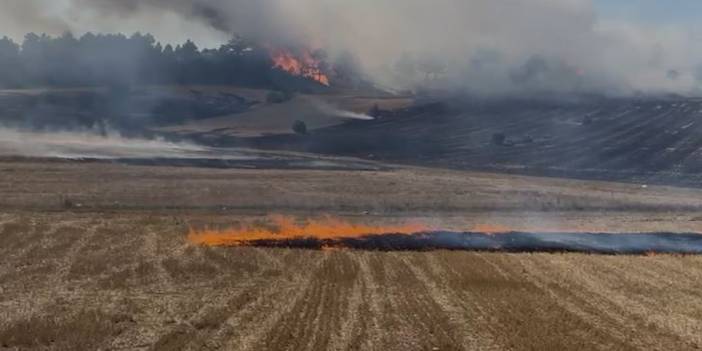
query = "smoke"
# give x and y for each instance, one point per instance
(483, 46)
(87, 145)
(331, 110)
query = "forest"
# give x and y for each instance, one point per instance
(119, 60)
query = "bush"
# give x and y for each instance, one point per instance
(499, 138)
(299, 127)
(375, 111)
(278, 97)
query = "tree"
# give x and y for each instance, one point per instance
(119, 60)
(299, 127)
(499, 139)
(9, 63)
(188, 52)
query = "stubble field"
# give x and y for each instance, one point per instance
(95, 256)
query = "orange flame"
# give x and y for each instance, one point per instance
(286, 228)
(305, 65)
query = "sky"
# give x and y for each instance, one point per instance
(686, 13)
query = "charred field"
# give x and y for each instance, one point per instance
(576, 230)
(645, 139)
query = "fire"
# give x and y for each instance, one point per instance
(303, 65)
(287, 228)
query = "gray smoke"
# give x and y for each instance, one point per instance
(484, 46)
(88, 145)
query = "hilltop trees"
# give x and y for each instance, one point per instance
(115, 59)
(9, 62)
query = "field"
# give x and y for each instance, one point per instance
(95, 256)
(94, 231)
(649, 140)
(317, 111)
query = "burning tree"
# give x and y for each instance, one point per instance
(302, 63)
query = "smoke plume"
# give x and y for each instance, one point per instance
(483, 46)
(88, 145)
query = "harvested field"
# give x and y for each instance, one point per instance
(96, 256)
(317, 111)
(132, 282)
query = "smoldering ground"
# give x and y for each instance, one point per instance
(593, 243)
(479, 45)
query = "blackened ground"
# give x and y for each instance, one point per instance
(594, 243)
(648, 140)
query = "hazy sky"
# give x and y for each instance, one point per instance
(665, 12)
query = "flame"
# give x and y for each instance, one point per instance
(303, 65)
(287, 228)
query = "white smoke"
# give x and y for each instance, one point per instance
(76, 145)
(332, 110)
(480, 45)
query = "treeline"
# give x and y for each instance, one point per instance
(116, 60)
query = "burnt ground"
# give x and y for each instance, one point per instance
(515, 242)
(646, 140)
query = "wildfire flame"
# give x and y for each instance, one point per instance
(287, 228)
(302, 65)
(331, 234)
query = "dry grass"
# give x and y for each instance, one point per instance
(315, 110)
(131, 281)
(117, 272)
(85, 330)
(452, 200)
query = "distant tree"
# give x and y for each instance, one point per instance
(9, 63)
(188, 52)
(375, 111)
(237, 46)
(118, 60)
(278, 97)
(299, 127)
(499, 139)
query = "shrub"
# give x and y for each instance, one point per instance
(499, 138)
(299, 127)
(278, 97)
